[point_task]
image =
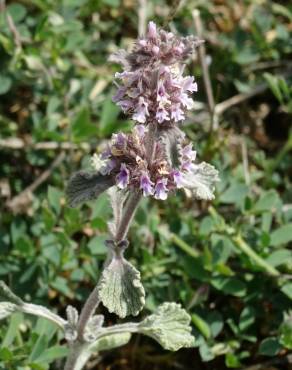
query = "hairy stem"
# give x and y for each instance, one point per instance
(78, 354)
(128, 214)
(87, 311)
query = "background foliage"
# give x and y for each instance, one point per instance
(228, 262)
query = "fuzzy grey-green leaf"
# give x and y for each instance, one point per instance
(111, 341)
(7, 295)
(170, 326)
(84, 186)
(120, 289)
(6, 309)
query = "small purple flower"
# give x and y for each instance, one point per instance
(177, 178)
(119, 94)
(176, 113)
(162, 95)
(186, 101)
(107, 166)
(189, 84)
(125, 104)
(152, 30)
(142, 111)
(123, 177)
(161, 189)
(186, 165)
(146, 185)
(119, 140)
(140, 130)
(187, 152)
(162, 115)
(155, 50)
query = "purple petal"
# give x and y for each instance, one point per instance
(161, 189)
(146, 185)
(123, 177)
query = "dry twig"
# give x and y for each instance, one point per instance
(205, 68)
(22, 200)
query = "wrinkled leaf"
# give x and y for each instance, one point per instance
(84, 186)
(201, 180)
(170, 326)
(121, 290)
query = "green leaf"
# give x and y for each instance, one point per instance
(120, 288)
(52, 354)
(282, 235)
(97, 245)
(267, 201)
(286, 333)
(17, 12)
(82, 127)
(247, 318)
(108, 117)
(287, 289)
(169, 326)
(270, 347)
(5, 84)
(13, 329)
(229, 285)
(202, 325)
(234, 194)
(54, 197)
(279, 257)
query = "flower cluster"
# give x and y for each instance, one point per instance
(125, 159)
(154, 158)
(152, 87)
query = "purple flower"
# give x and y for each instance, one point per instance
(187, 152)
(140, 130)
(107, 166)
(189, 84)
(176, 113)
(177, 178)
(186, 165)
(123, 177)
(162, 115)
(155, 50)
(125, 104)
(119, 94)
(146, 185)
(142, 111)
(161, 189)
(186, 101)
(152, 30)
(119, 140)
(162, 95)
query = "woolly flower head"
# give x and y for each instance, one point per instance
(152, 88)
(125, 161)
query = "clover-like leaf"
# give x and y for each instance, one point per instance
(120, 289)
(6, 309)
(170, 326)
(200, 180)
(111, 341)
(84, 186)
(8, 296)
